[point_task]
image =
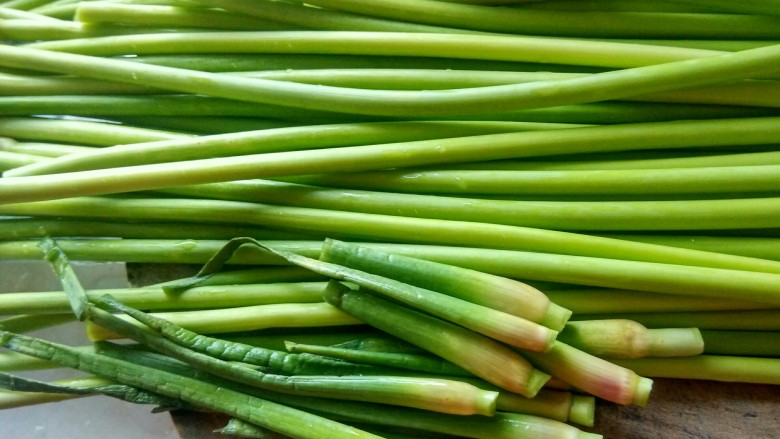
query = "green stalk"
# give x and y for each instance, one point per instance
(206, 125)
(564, 23)
(26, 228)
(499, 426)
(168, 16)
(593, 375)
(376, 227)
(489, 322)
(699, 214)
(690, 159)
(611, 5)
(484, 47)
(483, 289)
(82, 387)
(430, 394)
(750, 320)
(238, 62)
(321, 337)
(621, 338)
(665, 278)
(614, 301)
(32, 322)
(663, 135)
(248, 318)
(744, 179)
(155, 298)
(280, 362)
(748, 93)
(16, 398)
(292, 422)
(11, 160)
(675, 75)
(245, 276)
(50, 30)
(62, 11)
(24, 5)
(759, 7)
(710, 367)
(13, 361)
(124, 106)
(273, 140)
(9, 13)
(416, 362)
(742, 343)
(750, 246)
(552, 404)
(45, 149)
(79, 132)
(479, 355)
(610, 273)
(315, 18)
(29, 85)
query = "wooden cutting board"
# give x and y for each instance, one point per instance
(678, 409)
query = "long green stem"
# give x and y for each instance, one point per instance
(374, 227)
(604, 86)
(742, 343)
(77, 131)
(429, 394)
(16, 398)
(31, 322)
(493, 323)
(710, 367)
(169, 16)
(249, 318)
(611, 273)
(614, 301)
(564, 23)
(417, 362)
(300, 16)
(639, 160)
(265, 413)
(742, 179)
(274, 140)
(83, 387)
(480, 355)
(748, 320)
(751, 246)
(26, 228)
(154, 298)
(759, 7)
(136, 107)
(700, 214)
(11, 160)
(749, 93)
(485, 47)
(280, 362)
(491, 291)
(663, 135)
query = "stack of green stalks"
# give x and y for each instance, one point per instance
(480, 215)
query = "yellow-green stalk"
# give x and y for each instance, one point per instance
(622, 338)
(484, 357)
(492, 291)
